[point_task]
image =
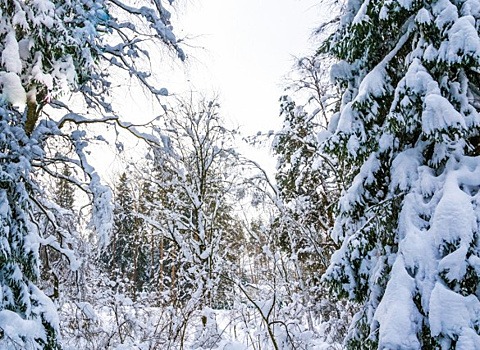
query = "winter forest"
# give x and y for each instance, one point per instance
(366, 236)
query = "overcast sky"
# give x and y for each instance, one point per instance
(243, 49)
(238, 50)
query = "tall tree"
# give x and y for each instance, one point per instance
(309, 183)
(196, 176)
(306, 185)
(123, 250)
(408, 125)
(49, 48)
(60, 237)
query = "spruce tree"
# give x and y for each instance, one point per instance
(124, 244)
(306, 189)
(408, 125)
(49, 48)
(65, 191)
(158, 261)
(27, 316)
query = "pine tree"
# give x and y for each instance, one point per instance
(27, 316)
(408, 126)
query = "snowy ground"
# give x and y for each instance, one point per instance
(128, 326)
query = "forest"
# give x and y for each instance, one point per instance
(367, 235)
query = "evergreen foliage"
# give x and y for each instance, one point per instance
(64, 192)
(49, 48)
(123, 251)
(306, 184)
(309, 184)
(408, 126)
(28, 317)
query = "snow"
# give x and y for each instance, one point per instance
(12, 89)
(451, 313)
(362, 13)
(431, 244)
(454, 217)
(423, 16)
(430, 54)
(439, 115)
(345, 120)
(333, 123)
(386, 142)
(39, 75)
(418, 80)
(436, 225)
(19, 331)
(64, 73)
(468, 339)
(45, 307)
(397, 314)
(11, 54)
(406, 4)
(373, 85)
(20, 19)
(463, 41)
(471, 8)
(445, 13)
(44, 12)
(405, 169)
(340, 70)
(421, 248)
(455, 264)
(353, 145)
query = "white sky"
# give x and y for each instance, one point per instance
(248, 48)
(240, 51)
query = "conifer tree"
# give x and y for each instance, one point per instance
(308, 182)
(125, 241)
(306, 189)
(408, 126)
(27, 316)
(158, 252)
(65, 191)
(49, 48)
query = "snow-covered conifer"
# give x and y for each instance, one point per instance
(49, 48)
(123, 250)
(408, 125)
